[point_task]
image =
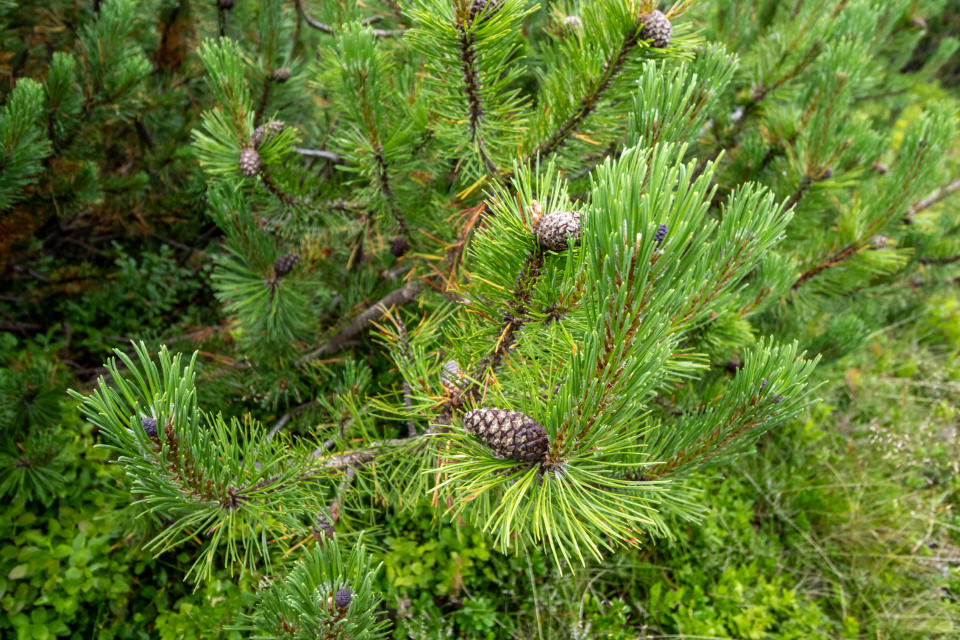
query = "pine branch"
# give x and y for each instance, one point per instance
(285, 418)
(941, 261)
(407, 392)
(588, 102)
(272, 187)
(310, 20)
(399, 297)
(805, 184)
(325, 28)
(837, 258)
(935, 197)
(751, 107)
(320, 153)
(862, 242)
(383, 181)
(715, 442)
(471, 79)
(513, 321)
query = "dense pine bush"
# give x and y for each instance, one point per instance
(459, 316)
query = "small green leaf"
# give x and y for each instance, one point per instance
(17, 572)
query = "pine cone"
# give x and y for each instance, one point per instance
(510, 434)
(656, 27)
(285, 264)
(265, 132)
(451, 377)
(149, 426)
(342, 598)
(280, 75)
(225, 4)
(486, 7)
(399, 246)
(323, 529)
(573, 22)
(249, 162)
(661, 234)
(554, 228)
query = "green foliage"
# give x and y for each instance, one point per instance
(770, 191)
(304, 603)
(21, 139)
(74, 569)
(740, 604)
(206, 474)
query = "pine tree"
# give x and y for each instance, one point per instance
(91, 134)
(627, 248)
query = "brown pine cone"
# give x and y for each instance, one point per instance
(249, 162)
(280, 75)
(285, 264)
(265, 132)
(656, 27)
(554, 229)
(510, 434)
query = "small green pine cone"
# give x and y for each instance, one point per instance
(509, 434)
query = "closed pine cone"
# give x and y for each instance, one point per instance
(265, 132)
(656, 27)
(554, 229)
(509, 434)
(249, 162)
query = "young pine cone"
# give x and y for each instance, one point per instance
(149, 426)
(656, 27)
(510, 434)
(249, 162)
(265, 132)
(660, 234)
(342, 598)
(285, 264)
(554, 229)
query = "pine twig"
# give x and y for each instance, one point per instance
(935, 197)
(471, 80)
(405, 349)
(383, 180)
(272, 187)
(325, 28)
(320, 153)
(513, 321)
(285, 418)
(588, 103)
(398, 297)
(940, 261)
